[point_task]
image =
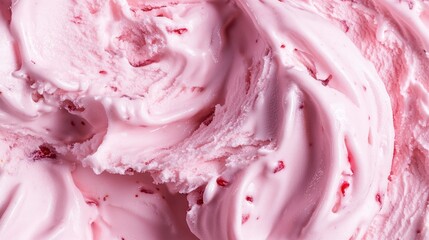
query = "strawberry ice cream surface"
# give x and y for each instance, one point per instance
(240, 119)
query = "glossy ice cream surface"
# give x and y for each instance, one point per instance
(214, 119)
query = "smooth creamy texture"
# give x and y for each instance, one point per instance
(256, 119)
(56, 200)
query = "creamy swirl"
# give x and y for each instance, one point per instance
(271, 115)
(327, 174)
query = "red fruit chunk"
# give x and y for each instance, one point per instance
(245, 218)
(147, 191)
(222, 182)
(180, 30)
(71, 107)
(130, 171)
(36, 96)
(142, 63)
(92, 202)
(344, 186)
(150, 8)
(326, 81)
(378, 198)
(44, 151)
(280, 166)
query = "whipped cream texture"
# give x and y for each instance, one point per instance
(241, 119)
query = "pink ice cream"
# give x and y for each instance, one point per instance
(220, 119)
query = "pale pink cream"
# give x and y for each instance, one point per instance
(214, 119)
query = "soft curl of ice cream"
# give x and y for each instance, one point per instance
(272, 116)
